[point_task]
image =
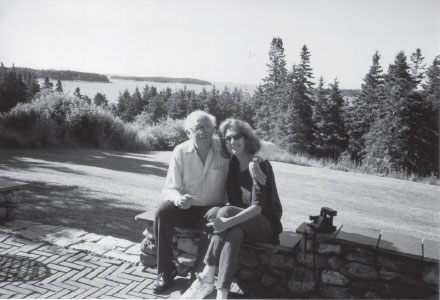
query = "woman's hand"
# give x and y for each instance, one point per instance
(219, 224)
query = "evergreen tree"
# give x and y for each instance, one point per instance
(272, 94)
(59, 87)
(123, 105)
(362, 113)
(12, 89)
(320, 118)
(417, 68)
(77, 93)
(177, 105)
(212, 104)
(100, 100)
(393, 143)
(47, 84)
(157, 108)
(298, 129)
(86, 99)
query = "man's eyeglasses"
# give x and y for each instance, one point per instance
(233, 137)
(201, 129)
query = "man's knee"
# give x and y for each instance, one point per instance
(165, 209)
(212, 213)
(228, 211)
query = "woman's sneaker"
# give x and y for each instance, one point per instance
(198, 289)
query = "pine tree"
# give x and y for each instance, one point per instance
(272, 94)
(320, 118)
(47, 84)
(100, 100)
(157, 108)
(298, 122)
(395, 139)
(77, 93)
(364, 109)
(417, 67)
(12, 89)
(59, 87)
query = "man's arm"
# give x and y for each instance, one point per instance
(174, 183)
(254, 166)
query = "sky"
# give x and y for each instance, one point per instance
(223, 40)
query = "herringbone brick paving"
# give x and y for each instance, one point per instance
(37, 270)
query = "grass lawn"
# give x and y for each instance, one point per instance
(101, 191)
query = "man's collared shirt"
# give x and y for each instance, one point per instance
(187, 175)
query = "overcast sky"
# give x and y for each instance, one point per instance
(215, 40)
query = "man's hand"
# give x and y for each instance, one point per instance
(256, 173)
(219, 224)
(186, 201)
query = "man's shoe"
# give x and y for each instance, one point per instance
(198, 289)
(165, 280)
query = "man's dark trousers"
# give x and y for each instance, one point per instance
(168, 216)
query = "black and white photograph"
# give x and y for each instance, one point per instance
(219, 149)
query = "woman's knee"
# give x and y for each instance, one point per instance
(228, 211)
(234, 234)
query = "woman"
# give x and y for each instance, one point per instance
(253, 213)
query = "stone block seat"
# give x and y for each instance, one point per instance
(288, 239)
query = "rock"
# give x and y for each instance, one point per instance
(280, 261)
(148, 247)
(335, 292)
(385, 274)
(360, 257)
(269, 279)
(187, 245)
(430, 273)
(301, 281)
(358, 270)
(325, 248)
(363, 250)
(371, 295)
(320, 261)
(333, 277)
(186, 259)
(248, 275)
(248, 258)
(336, 263)
(12, 197)
(306, 245)
(148, 260)
(399, 264)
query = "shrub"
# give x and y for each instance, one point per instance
(60, 119)
(163, 136)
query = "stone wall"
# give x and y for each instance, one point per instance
(344, 264)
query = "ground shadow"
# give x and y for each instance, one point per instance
(73, 206)
(15, 268)
(107, 159)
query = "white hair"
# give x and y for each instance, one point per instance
(192, 118)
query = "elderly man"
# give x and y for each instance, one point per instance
(194, 189)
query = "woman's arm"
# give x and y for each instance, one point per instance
(221, 224)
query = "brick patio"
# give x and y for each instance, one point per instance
(82, 265)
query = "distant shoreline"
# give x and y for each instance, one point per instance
(163, 79)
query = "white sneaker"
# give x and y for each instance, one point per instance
(198, 289)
